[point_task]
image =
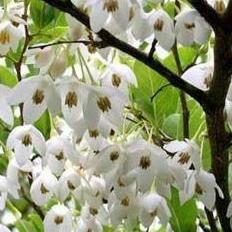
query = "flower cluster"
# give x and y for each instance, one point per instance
(95, 174)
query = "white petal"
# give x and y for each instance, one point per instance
(6, 114)
(98, 16)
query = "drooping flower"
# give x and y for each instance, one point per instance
(119, 76)
(6, 114)
(23, 139)
(153, 205)
(185, 153)
(191, 27)
(102, 9)
(199, 75)
(37, 93)
(145, 161)
(9, 36)
(59, 149)
(204, 185)
(164, 28)
(43, 187)
(58, 218)
(104, 101)
(69, 182)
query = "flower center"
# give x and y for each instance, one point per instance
(114, 155)
(131, 13)
(158, 26)
(104, 104)
(93, 133)
(198, 189)
(70, 185)
(58, 220)
(184, 158)
(145, 162)
(125, 201)
(116, 80)
(4, 37)
(153, 213)
(71, 99)
(110, 5)
(219, 6)
(38, 96)
(27, 140)
(120, 182)
(43, 189)
(93, 211)
(189, 26)
(60, 156)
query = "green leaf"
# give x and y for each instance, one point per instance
(42, 14)
(44, 124)
(37, 222)
(149, 82)
(25, 226)
(173, 126)
(183, 217)
(7, 77)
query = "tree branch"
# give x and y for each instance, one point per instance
(227, 17)
(110, 40)
(209, 14)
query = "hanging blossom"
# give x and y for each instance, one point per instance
(11, 27)
(3, 192)
(4, 228)
(23, 139)
(6, 114)
(58, 218)
(191, 27)
(37, 94)
(101, 10)
(163, 27)
(199, 75)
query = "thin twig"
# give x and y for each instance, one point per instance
(159, 90)
(98, 44)
(152, 50)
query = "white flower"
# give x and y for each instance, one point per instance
(37, 93)
(102, 9)
(43, 187)
(4, 228)
(76, 29)
(3, 192)
(70, 181)
(23, 139)
(59, 149)
(88, 221)
(185, 153)
(199, 76)
(164, 28)
(191, 27)
(145, 162)
(109, 159)
(153, 205)
(119, 76)
(204, 185)
(41, 58)
(9, 36)
(141, 29)
(6, 114)
(124, 205)
(72, 95)
(12, 174)
(58, 218)
(104, 101)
